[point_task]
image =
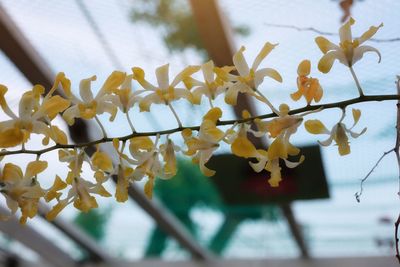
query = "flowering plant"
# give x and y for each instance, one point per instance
(152, 155)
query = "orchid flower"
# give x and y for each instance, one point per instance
(280, 148)
(338, 133)
(349, 50)
(80, 189)
(281, 128)
(212, 86)
(307, 86)
(206, 142)
(22, 190)
(249, 79)
(241, 146)
(89, 106)
(165, 92)
(33, 117)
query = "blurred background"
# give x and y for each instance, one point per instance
(235, 216)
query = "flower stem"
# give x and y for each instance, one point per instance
(101, 126)
(130, 122)
(360, 91)
(175, 115)
(266, 101)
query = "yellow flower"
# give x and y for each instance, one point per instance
(168, 150)
(307, 86)
(212, 86)
(281, 128)
(338, 133)
(349, 50)
(165, 92)
(249, 79)
(284, 124)
(90, 106)
(126, 96)
(80, 190)
(241, 146)
(146, 157)
(21, 190)
(206, 142)
(280, 148)
(33, 117)
(124, 173)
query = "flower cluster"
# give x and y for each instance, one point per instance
(148, 156)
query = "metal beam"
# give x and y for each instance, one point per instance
(217, 38)
(35, 241)
(35, 69)
(387, 261)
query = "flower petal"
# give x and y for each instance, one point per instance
(260, 74)
(315, 127)
(162, 74)
(361, 50)
(267, 48)
(35, 167)
(325, 45)
(368, 34)
(187, 72)
(85, 89)
(304, 68)
(240, 62)
(345, 31)
(326, 62)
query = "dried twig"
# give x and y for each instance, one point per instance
(358, 194)
(396, 150)
(311, 29)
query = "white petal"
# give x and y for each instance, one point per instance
(162, 74)
(240, 62)
(263, 53)
(259, 166)
(85, 89)
(359, 52)
(345, 31)
(355, 135)
(260, 74)
(291, 164)
(327, 142)
(208, 71)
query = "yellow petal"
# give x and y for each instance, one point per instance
(55, 105)
(58, 135)
(141, 143)
(242, 147)
(213, 115)
(277, 150)
(52, 214)
(304, 68)
(121, 192)
(356, 115)
(11, 137)
(368, 34)
(35, 167)
(324, 44)
(326, 62)
(148, 188)
(102, 161)
(12, 173)
(113, 81)
(315, 127)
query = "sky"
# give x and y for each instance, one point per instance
(336, 227)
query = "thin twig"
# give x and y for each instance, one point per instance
(101, 126)
(311, 29)
(358, 194)
(175, 115)
(396, 237)
(396, 150)
(340, 104)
